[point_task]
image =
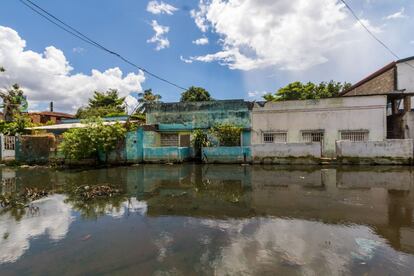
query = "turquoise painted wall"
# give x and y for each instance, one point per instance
(134, 146)
(166, 154)
(226, 154)
(195, 115)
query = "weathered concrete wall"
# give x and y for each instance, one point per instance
(193, 115)
(381, 84)
(286, 153)
(407, 125)
(166, 154)
(328, 115)
(226, 154)
(398, 151)
(134, 146)
(405, 76)
(34, 149)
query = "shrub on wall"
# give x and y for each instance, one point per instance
(88, 142)
(227, 134)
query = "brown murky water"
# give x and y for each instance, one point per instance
(212, 220)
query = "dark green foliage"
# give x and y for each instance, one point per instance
(107, 104)
(195, 94)
(88, 142)
(227, 134)
(301, 91)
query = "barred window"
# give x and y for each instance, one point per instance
(312, 136)
(268, 138)
(169, 139)
(275, 137)
(355, 135)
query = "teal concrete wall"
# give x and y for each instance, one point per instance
(196, 115)
(166, 154)
(134, 146)
(226, 154)
(246, 138)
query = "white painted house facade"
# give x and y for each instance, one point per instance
(358, 119)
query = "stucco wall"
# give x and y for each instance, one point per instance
(381, 84)
(226, 154)
(193, 115)
(405, 76)
(286, 150)
(166, 154)
(389, 151)
(330, 115)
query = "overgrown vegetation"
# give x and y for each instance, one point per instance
(17, 126)
(103, 104)
(88, 142)
(304, 91)
(227, 134)
(195, 94)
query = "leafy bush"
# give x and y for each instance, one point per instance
(17, 126)
(88, 142)
(227, 134)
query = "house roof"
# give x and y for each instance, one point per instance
(55, 114)
(370, 77)
(377, 73)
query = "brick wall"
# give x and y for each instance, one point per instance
(381, 84)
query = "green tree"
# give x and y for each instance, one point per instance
(88, 142)
(227, 134)
(195, 94)
(13, 99)
(147, 97)
(304, 91)
(103, 104)
(2, 69)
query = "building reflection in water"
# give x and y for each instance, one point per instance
(261, 210)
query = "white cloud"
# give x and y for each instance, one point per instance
(286, 34)
(54, 220)
(185, 60)
(47, 76)
(159, 36)
(78, 50)
(398, 15)
(412, 42)
(256, 94)
(201, 41)
(156, 7)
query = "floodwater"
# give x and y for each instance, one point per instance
(212, 220)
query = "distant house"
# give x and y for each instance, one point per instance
(48, 116)
(396, 81)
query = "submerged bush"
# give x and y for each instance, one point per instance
(88, 142)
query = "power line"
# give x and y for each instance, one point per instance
(71, 30)
(372, 34)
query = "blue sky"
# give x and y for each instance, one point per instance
(253, 46)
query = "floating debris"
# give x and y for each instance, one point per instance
(21, 200)
(101, 191)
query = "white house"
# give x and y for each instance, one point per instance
(361, 118)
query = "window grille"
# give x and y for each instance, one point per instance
(169, 140)
(312, 136)
(275, 137)
(9, 142)
(268, 138)
(354, 135)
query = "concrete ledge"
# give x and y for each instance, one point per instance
(226, 155)
(287, 153)
(388, 152)
(166, 154)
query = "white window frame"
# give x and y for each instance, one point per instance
(274, 136)
(354, 135)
